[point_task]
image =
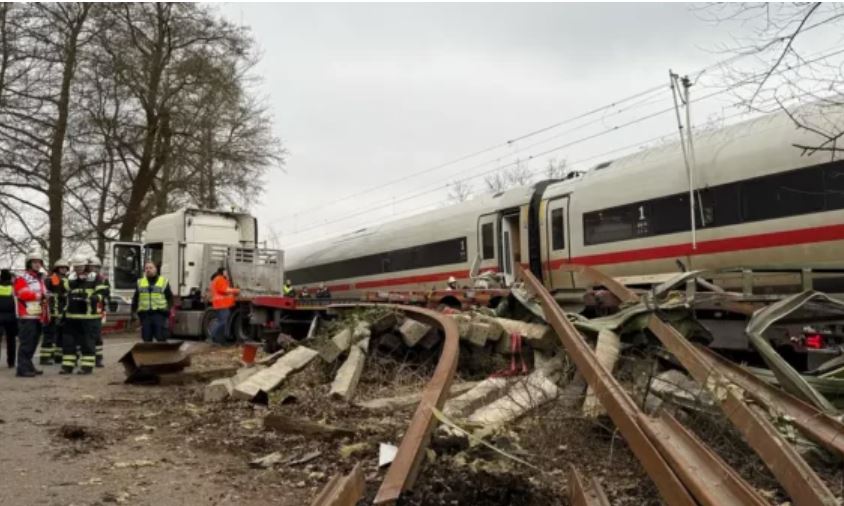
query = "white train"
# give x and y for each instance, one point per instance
(760, 201)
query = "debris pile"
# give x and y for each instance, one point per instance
(542, 407)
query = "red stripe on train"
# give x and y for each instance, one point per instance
(748, 242)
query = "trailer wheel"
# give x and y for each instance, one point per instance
(240, 328)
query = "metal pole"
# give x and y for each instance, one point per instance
(692, 162)
(674, 91)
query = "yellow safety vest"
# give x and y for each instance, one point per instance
(151, 298)
(5, 290)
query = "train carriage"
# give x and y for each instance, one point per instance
(759, 200)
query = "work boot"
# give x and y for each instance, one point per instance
(66, 370)
(26, 374)
(38, 372)
(85, 371)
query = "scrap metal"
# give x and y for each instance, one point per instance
(808, 306)
(617, 402)
(342, 490)
(145, 362)
(791, 470)
(818, 426)
(404, 469)
(585, 494)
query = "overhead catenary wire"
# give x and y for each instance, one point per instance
(440, 187)
(501, 145)
(510, 142)
(642, 145)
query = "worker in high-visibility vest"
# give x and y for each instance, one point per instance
(31, 294)
(57, 288)
(8, 315)
(222, 300)
(287, 290)
(152, 302)
(81, 319)
(103, 289)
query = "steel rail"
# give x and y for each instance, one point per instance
(616, 401)
(585, 494)
(798, 479)
(687, 459)
(405, 467)
(813, 423)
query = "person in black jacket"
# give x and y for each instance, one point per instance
(8, 316)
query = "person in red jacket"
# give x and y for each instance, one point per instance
(222, 300)
(32, 313)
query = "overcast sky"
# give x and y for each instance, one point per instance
(363, 94)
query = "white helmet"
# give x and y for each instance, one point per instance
(451, 279)
(34, 255)
(79, 261)
(61, 262)
(95, 262)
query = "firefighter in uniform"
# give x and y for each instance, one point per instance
(30, 293)
(103, 289)
(51, 346)
(81, 319)
(8, 315)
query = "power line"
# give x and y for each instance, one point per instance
(505, 144)
(413, 196)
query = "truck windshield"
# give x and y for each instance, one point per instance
(154, 252)
(127, 266)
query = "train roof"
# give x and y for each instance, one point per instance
(393, 233)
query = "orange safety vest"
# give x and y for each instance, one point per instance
(220, 296)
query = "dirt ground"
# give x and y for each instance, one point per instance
(95, 441)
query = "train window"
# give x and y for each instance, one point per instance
(487, 242)
(786, 194)
(558, 240)
(833, 179)
(609, 225)
(450, 251)
(667, 215)
(718, 206)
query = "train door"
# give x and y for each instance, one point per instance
(510, 251)
(557, 242)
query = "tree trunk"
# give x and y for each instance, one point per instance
(55, 182)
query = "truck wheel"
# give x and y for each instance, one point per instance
(240, 328)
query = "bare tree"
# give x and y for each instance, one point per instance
(459, 191)
(556, 169)
(518, 174)
(783, 74)
(40, 56)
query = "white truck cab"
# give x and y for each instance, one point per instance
(188, 246)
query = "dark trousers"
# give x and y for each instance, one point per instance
(97, 330)
(9, 327)
(29, 333)
(219, 334)
(51, 345)
(79, 333)
(153, 326)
